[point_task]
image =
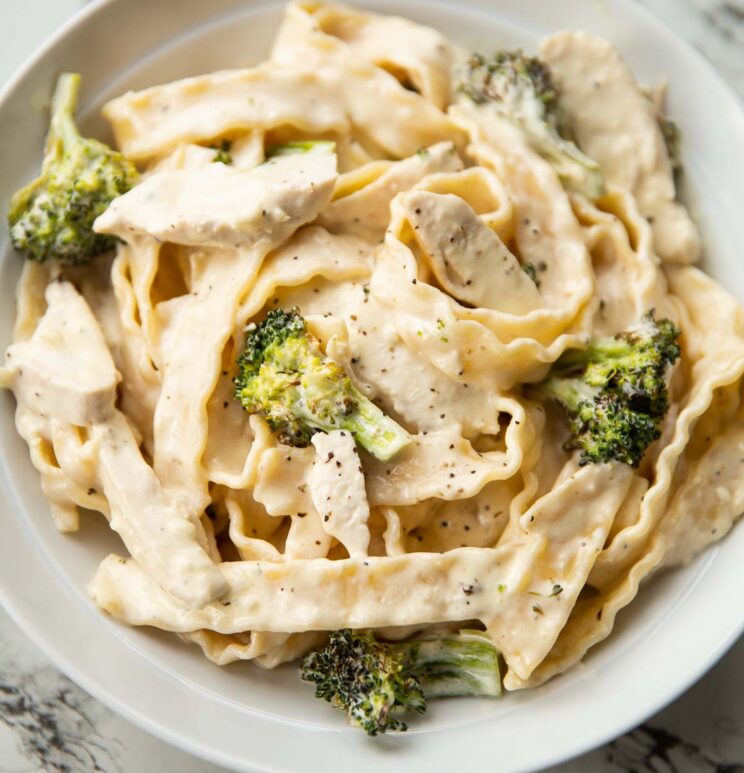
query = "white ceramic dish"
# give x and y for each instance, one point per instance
(240, 716)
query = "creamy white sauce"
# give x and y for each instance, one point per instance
(336, 483)
(615, 123)
(408, 269)
(64, 374)
(467, 258)
(216, 206)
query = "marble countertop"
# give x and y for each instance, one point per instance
(47, 723)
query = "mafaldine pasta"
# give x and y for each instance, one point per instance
(450, 260)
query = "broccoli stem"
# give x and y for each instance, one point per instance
(62, 128)
(373, 430)
(465, 663)
(300, 146)
(569, 392)
(601, 350)
(577, 171)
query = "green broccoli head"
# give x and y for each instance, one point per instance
(521, 89)
(615, 391)
(373, 680)
(365, 678)
(284, 375)
(53, 216)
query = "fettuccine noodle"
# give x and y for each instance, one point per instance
(123, 371)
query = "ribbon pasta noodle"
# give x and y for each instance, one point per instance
(403, 248)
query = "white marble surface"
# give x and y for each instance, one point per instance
(48, 724)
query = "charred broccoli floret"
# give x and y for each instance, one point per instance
(284, 375)
(521, 90)
(372, 680)
(53, 216)
(615, 391)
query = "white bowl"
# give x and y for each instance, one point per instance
(248, 719)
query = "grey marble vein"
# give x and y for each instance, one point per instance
(54, 724)
(48, 724)
(653, 748)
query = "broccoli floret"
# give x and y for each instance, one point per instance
(222, 156)
(301, 146)
(372, 680)
(615, 391)
(53, 216)
(520, 89)
(284, 375)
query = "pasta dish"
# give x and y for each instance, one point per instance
(382, 355)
